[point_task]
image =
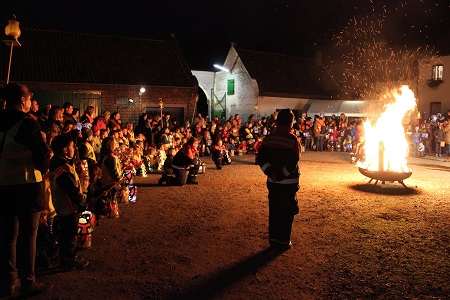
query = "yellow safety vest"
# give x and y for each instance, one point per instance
(16, 161)
(107, 179)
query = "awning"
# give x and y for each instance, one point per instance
(326, 107)
(350, 108)
(355, 108)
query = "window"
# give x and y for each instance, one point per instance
(437, 72)
(435, 108)
(124, 101)
(230, 87)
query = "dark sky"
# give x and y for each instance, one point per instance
(205, 28)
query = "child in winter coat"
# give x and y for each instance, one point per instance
(167, 176)
(69, 199)
(220, 155)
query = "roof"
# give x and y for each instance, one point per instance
(66, 57)
(279, 74)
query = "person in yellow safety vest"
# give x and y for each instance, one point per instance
(24, 157)
(69, 198)
(86, 150)
(110, 163)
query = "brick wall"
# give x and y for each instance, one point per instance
(179, 97)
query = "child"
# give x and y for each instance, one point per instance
(347, 144)
(137, 161)
(242, 148)
(421, 149)
(161, 156)
(69, 199)
(330, 144)
(233, 146)
(439, 139)
(150, 159)
(220, 155)
(168, 170)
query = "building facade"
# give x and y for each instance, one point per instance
(106, 72)
(259, 83)
(433, 87)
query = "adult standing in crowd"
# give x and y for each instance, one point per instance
(88, 116)
(319, 132)
(278, 158)
(446, 130)
(114, 122)
(55, 120)
(24, 158)
(101, 122)
(68, 110)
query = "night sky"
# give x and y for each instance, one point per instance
(205, 28)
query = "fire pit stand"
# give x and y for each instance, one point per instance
(384, 176)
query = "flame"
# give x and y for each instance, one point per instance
(386, 146)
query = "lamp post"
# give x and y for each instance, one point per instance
(141, 91)
(256, 111)
(212, 108)
(161, 106)
(12, 32)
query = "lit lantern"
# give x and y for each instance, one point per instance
(160, 103)
(12, 29)
(12, 32)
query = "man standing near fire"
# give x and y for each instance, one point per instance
(278, 158)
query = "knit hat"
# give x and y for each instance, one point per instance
(86, 132)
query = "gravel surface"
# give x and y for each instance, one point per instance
(352, 239)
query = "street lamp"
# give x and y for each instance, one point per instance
(12, 32)
(161, 106)
(256, 110)
(221, 68)
(141, 91)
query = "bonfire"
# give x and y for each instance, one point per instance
(386, 146)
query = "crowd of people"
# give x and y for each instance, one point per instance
(76, 161)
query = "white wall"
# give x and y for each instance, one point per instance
(205, 82)
(245, 88)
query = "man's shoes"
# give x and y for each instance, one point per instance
(34, 289)
(283, 246)
(276, 245)
(161, 181)
(192, 180)
(77, 264)
(219, 167)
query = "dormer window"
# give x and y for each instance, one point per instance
(438, 71)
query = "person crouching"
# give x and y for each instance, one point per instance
(187, 160)
(220, 155)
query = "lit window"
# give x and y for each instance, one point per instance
(230, 89)
(438, 71)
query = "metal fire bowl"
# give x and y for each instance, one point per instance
(385, 175)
